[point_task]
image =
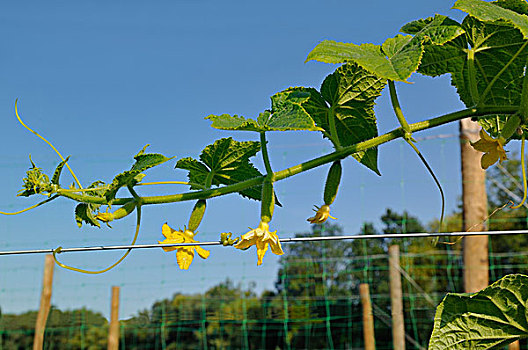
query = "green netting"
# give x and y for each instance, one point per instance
(312, 311)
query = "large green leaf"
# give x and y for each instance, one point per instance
(398, 57)
(511, 11)
(227, 161)
(286, 114)
(131, 177)
(489, 319)
(499, 67)
(347, 96)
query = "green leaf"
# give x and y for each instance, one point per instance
(287, 112)
(398, 57)
(227, 161)
(285, 115)
(126, 178)
(57, 173)
(131, 177)
(498, 12)
(234, 122)
(35, 181)
(147, 161)
(227, 153)
(489, 319)
(84, 212)
(347, 96)
(197, 171)
(498, 71)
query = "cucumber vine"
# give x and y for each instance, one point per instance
(485, 54)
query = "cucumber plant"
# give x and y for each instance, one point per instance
(486, 57)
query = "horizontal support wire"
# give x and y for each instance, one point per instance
(282, 240)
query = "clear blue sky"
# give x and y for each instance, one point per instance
(101, 79)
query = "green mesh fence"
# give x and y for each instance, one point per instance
(316, 306)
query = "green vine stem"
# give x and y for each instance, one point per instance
(333, 130)
(265, 155)
(48, 143)
(397, 110)
(472, 74)
(32, 207)
(268, 195)
(72, 268)
(311, 164)
(407, 136)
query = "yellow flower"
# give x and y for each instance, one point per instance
(321, 215)
(492, 148)
(261, 237)
(184, 255)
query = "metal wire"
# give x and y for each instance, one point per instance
(282, 240)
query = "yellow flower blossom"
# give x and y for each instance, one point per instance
(492, 148)
(321, 215)
(261, 237)
(184, 255)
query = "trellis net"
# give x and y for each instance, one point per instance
(316, 305)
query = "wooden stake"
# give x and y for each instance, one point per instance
(45, 303)
(475, 210)
(368, 319)
(514, 346)
(113, 331)
(396, 295)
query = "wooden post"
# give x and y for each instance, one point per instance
(514, 346)
(368, 319)
(396, 295)
(475, 210)
(113, 331)
(45, 303)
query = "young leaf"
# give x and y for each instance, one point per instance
(285, 115)
(234, 122)
(56, 174)
(398, 57)
(35, 181)
(489, 319)
(84, 212)
(131, 177)
(228, 161)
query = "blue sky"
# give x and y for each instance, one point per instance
(101, 79)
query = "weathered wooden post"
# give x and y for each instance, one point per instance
(113, 330)
(368, 319)
(475, 209)
(396, 295)
(45, 303)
